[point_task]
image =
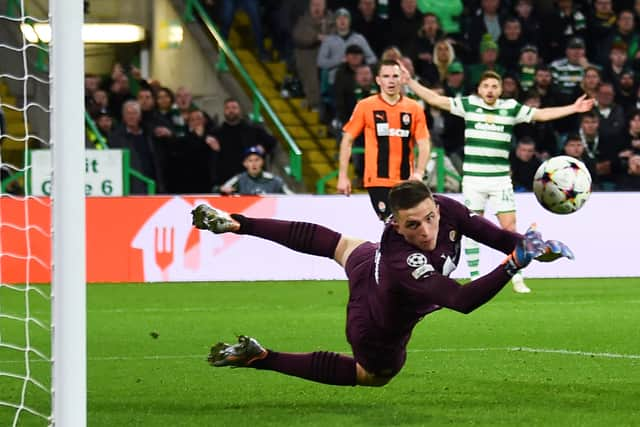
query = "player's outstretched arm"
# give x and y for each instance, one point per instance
(581, 105)
(431, 97)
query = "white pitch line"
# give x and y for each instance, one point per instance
(431, 350)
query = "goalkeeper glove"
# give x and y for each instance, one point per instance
(554, 249)
(530, 247)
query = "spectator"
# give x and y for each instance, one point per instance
(428, 35)
(333, 47)
(436, 71)
(568, 72)
(612, 120)
(590, 83)
(364, 86)
(601, 152)
(488, 61)
(104, 123)
(486, 20)
(617, 62)
(194, 158)
(131, 135)
(235, 136)
(448, 13)
(255, 180)
(405, 25)
(627, 164)
(531, 27)
(574, 147)
(455, 83)
(252, 9)
(91, 85)
(119, 90)
(626, 91)
(99, 102)
(308, 33)
(511, 87)
(367, 22)
(510, 44)
(625, 32)
(527, 64)
(345, 81)
(565, 22)
(600, 27)
(524, 165)
(391, 53)
(542, 133)
(543, 85)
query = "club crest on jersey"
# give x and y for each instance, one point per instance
(416, 260)
(406, 119)
(489, 118)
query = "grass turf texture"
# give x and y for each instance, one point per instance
(567, 354)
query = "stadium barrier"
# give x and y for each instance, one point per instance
(150, 238)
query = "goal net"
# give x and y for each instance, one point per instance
(42, 239)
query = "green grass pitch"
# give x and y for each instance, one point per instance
(567, 354)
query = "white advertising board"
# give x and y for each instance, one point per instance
(103, 173)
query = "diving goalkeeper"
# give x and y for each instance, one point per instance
(392, 284)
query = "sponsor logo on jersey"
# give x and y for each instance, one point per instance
(416, 260)
(383, 129)
(489, 127)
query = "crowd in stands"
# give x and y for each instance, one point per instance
(174, 142)
(547, 52)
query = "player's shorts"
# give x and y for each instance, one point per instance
(375, 353)
(498, 191)
(380, 201)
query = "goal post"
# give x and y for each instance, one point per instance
(68, 286)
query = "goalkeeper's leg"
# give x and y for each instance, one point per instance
(302, 237)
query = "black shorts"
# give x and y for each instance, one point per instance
(380, 201)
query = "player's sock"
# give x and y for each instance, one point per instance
(472, 252)
(320, 366)
(303, 237)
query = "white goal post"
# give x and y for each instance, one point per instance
(68, 287)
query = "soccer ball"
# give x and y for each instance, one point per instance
(562, 184)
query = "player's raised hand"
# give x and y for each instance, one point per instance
(583, 104)
(405, 75)
(554, 249)
(344, 185)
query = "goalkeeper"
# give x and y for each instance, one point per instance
(392, 284)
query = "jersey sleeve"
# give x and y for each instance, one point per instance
(525, 113)
(434, 288)
(355, 125)
(457, 108)
(477, 227)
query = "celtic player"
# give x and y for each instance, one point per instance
(489, 123)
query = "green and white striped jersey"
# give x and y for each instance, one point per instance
(566, 75)
(488, 132)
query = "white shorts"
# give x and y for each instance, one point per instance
(498, 191)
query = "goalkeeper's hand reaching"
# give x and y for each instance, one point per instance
(530, 247)
(554, 249)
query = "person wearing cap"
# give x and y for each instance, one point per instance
(454, 84)
(626, 91)
(489, 124)
(254, 180)
(345, 83)
(488, 61)
(568, 72)
(333, 48)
